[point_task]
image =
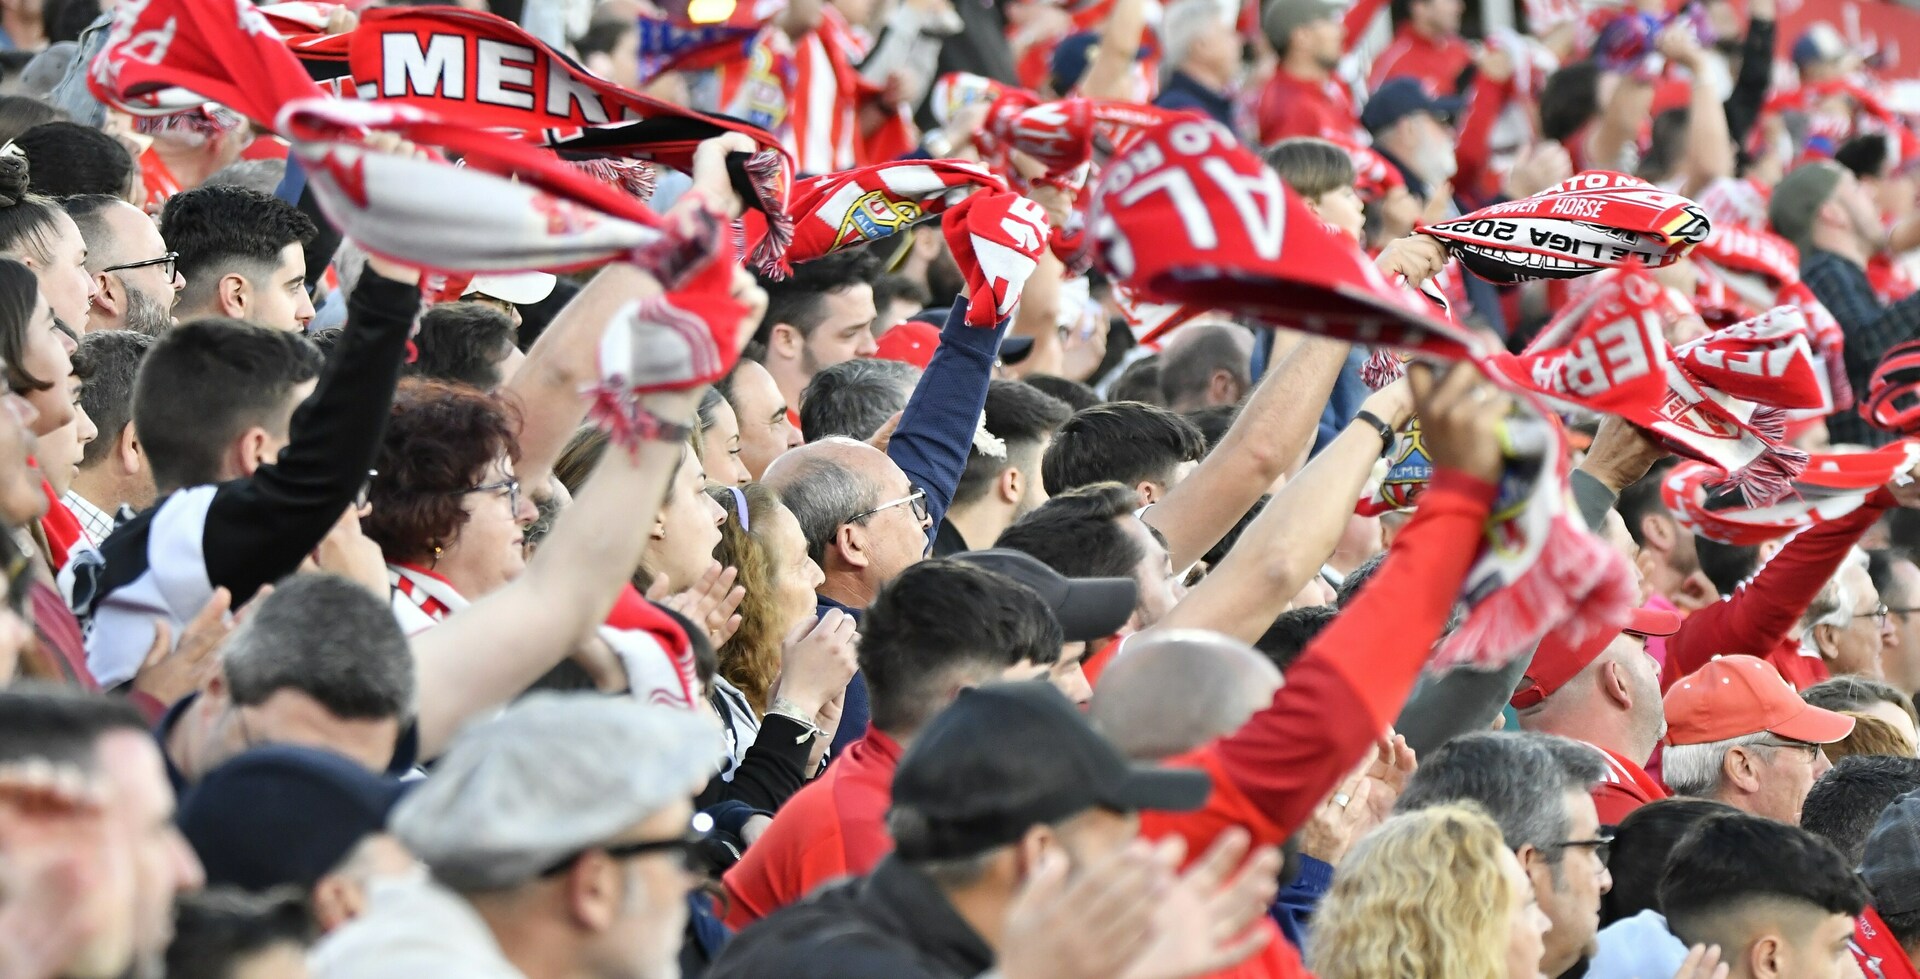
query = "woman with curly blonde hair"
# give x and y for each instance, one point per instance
(1432, 894)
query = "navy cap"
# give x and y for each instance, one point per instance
(283, 814)
(1071, 59)
(1398, 98)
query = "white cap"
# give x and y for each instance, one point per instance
(518, 288)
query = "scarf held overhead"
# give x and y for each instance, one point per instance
(1186, 215)
(1588, 222)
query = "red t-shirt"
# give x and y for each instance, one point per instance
(1438, 64)
(1626, 787)
(835, 827)
(1759, 619)
(1290, 106)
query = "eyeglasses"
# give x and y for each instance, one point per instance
(1878, 615)
(365, 496)
(918, 498)
(1602, 846)
(512, 486)
(167, 260)
(686, 845)
(1812, 750)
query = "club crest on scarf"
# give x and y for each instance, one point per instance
(1588, 222)
(875, 216)
(865, 204)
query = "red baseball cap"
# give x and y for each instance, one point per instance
(911, 342)
(1557, 661)
(1734, 696)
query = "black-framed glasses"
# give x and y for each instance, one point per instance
(1601, 845)
(1878, 615)
(168, 260)
(1812, 750)
(917, 498)
(512, 486)
(687, 845)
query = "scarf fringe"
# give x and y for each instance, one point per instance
(1768, 479)
(1383, 367)
(1577, 587)
(684, 250)
(632, 177)
(766, 171)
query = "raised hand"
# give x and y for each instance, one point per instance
(1091, 928)
(816, 661)
(1205, 922)
(1461, 415)
(711, 604)
(171, 671)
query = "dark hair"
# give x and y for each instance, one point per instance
(19, 113)
(1569, 100)
(1125, 442)
(1844, 805)
(889, 288)
(1140, 381)
(462, 342)
(67, 158)
(204, 383)
(29, 222)
(1019, 416)
(1357, 579)
(1865, 155)
(19, 291)
(328, 638)
(1642, 497)
(60, 724)
(1730, 861)
(1642, 846)
(107, 361)
(1078, 533)
(1213, 422)
(941, 617)
(1076, 395)
(1520, 778)
(438, 443)
(603, 35)
(1287, 638)
(1310, 166)
(1726, 565)
(855, 397)
(88, 212)
(796, 300)
(223, 229)
(217, 930)
(1858, 693)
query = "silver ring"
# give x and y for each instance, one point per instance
(1341, 799)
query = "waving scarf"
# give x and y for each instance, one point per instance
(853, 207)
(1831, 486)
(1893, 399)
(1186, 215)
(1762, 269)
(1586, 223)
(537, 212)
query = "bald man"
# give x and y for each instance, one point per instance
(1174, 691)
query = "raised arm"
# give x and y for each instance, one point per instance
(1290, 539)
(1110, 73)
(1756, 71)
(936, 430)
(1709, 146)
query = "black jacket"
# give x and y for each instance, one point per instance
(891, 924)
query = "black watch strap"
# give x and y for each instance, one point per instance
(1386, 431)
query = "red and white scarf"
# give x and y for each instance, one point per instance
(1588, 222)
(1188, 216)
(1893, 399)
(651, 647)
(865, 204)
(1830, 487)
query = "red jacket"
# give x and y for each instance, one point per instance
(1761, 616)
(1290, 106)
(1414, 55)
(1345, 689)
(1627, 787)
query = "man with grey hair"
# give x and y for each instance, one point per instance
(1206, 364)
(1536, 786)
(1737, 733)
(1200, 58)
(1846, 623)
(545, 859)
(854, 398)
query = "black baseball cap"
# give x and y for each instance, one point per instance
(283, 814)
(1088, 608)
(1398, 98)
(1006, 757)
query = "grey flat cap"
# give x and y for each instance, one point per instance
(554, 774)
(1891, 862)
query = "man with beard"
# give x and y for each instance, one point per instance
(1606, 692)
(820, 316)
(1410, 128)
(1002, 482)
(135, 273)
(1304, 98)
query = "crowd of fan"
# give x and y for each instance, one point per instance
(335, 643)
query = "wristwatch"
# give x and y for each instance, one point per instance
(1386, 431)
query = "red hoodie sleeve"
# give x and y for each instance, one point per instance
(1351, 681)
(1758, 616)
(1473, 152)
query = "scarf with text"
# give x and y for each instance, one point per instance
(651, 646)
(1586, 223)
(413, 208)
(996, 239)
(1762, 270)
(853, 207)
(1186, 215)
(1831, 486)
